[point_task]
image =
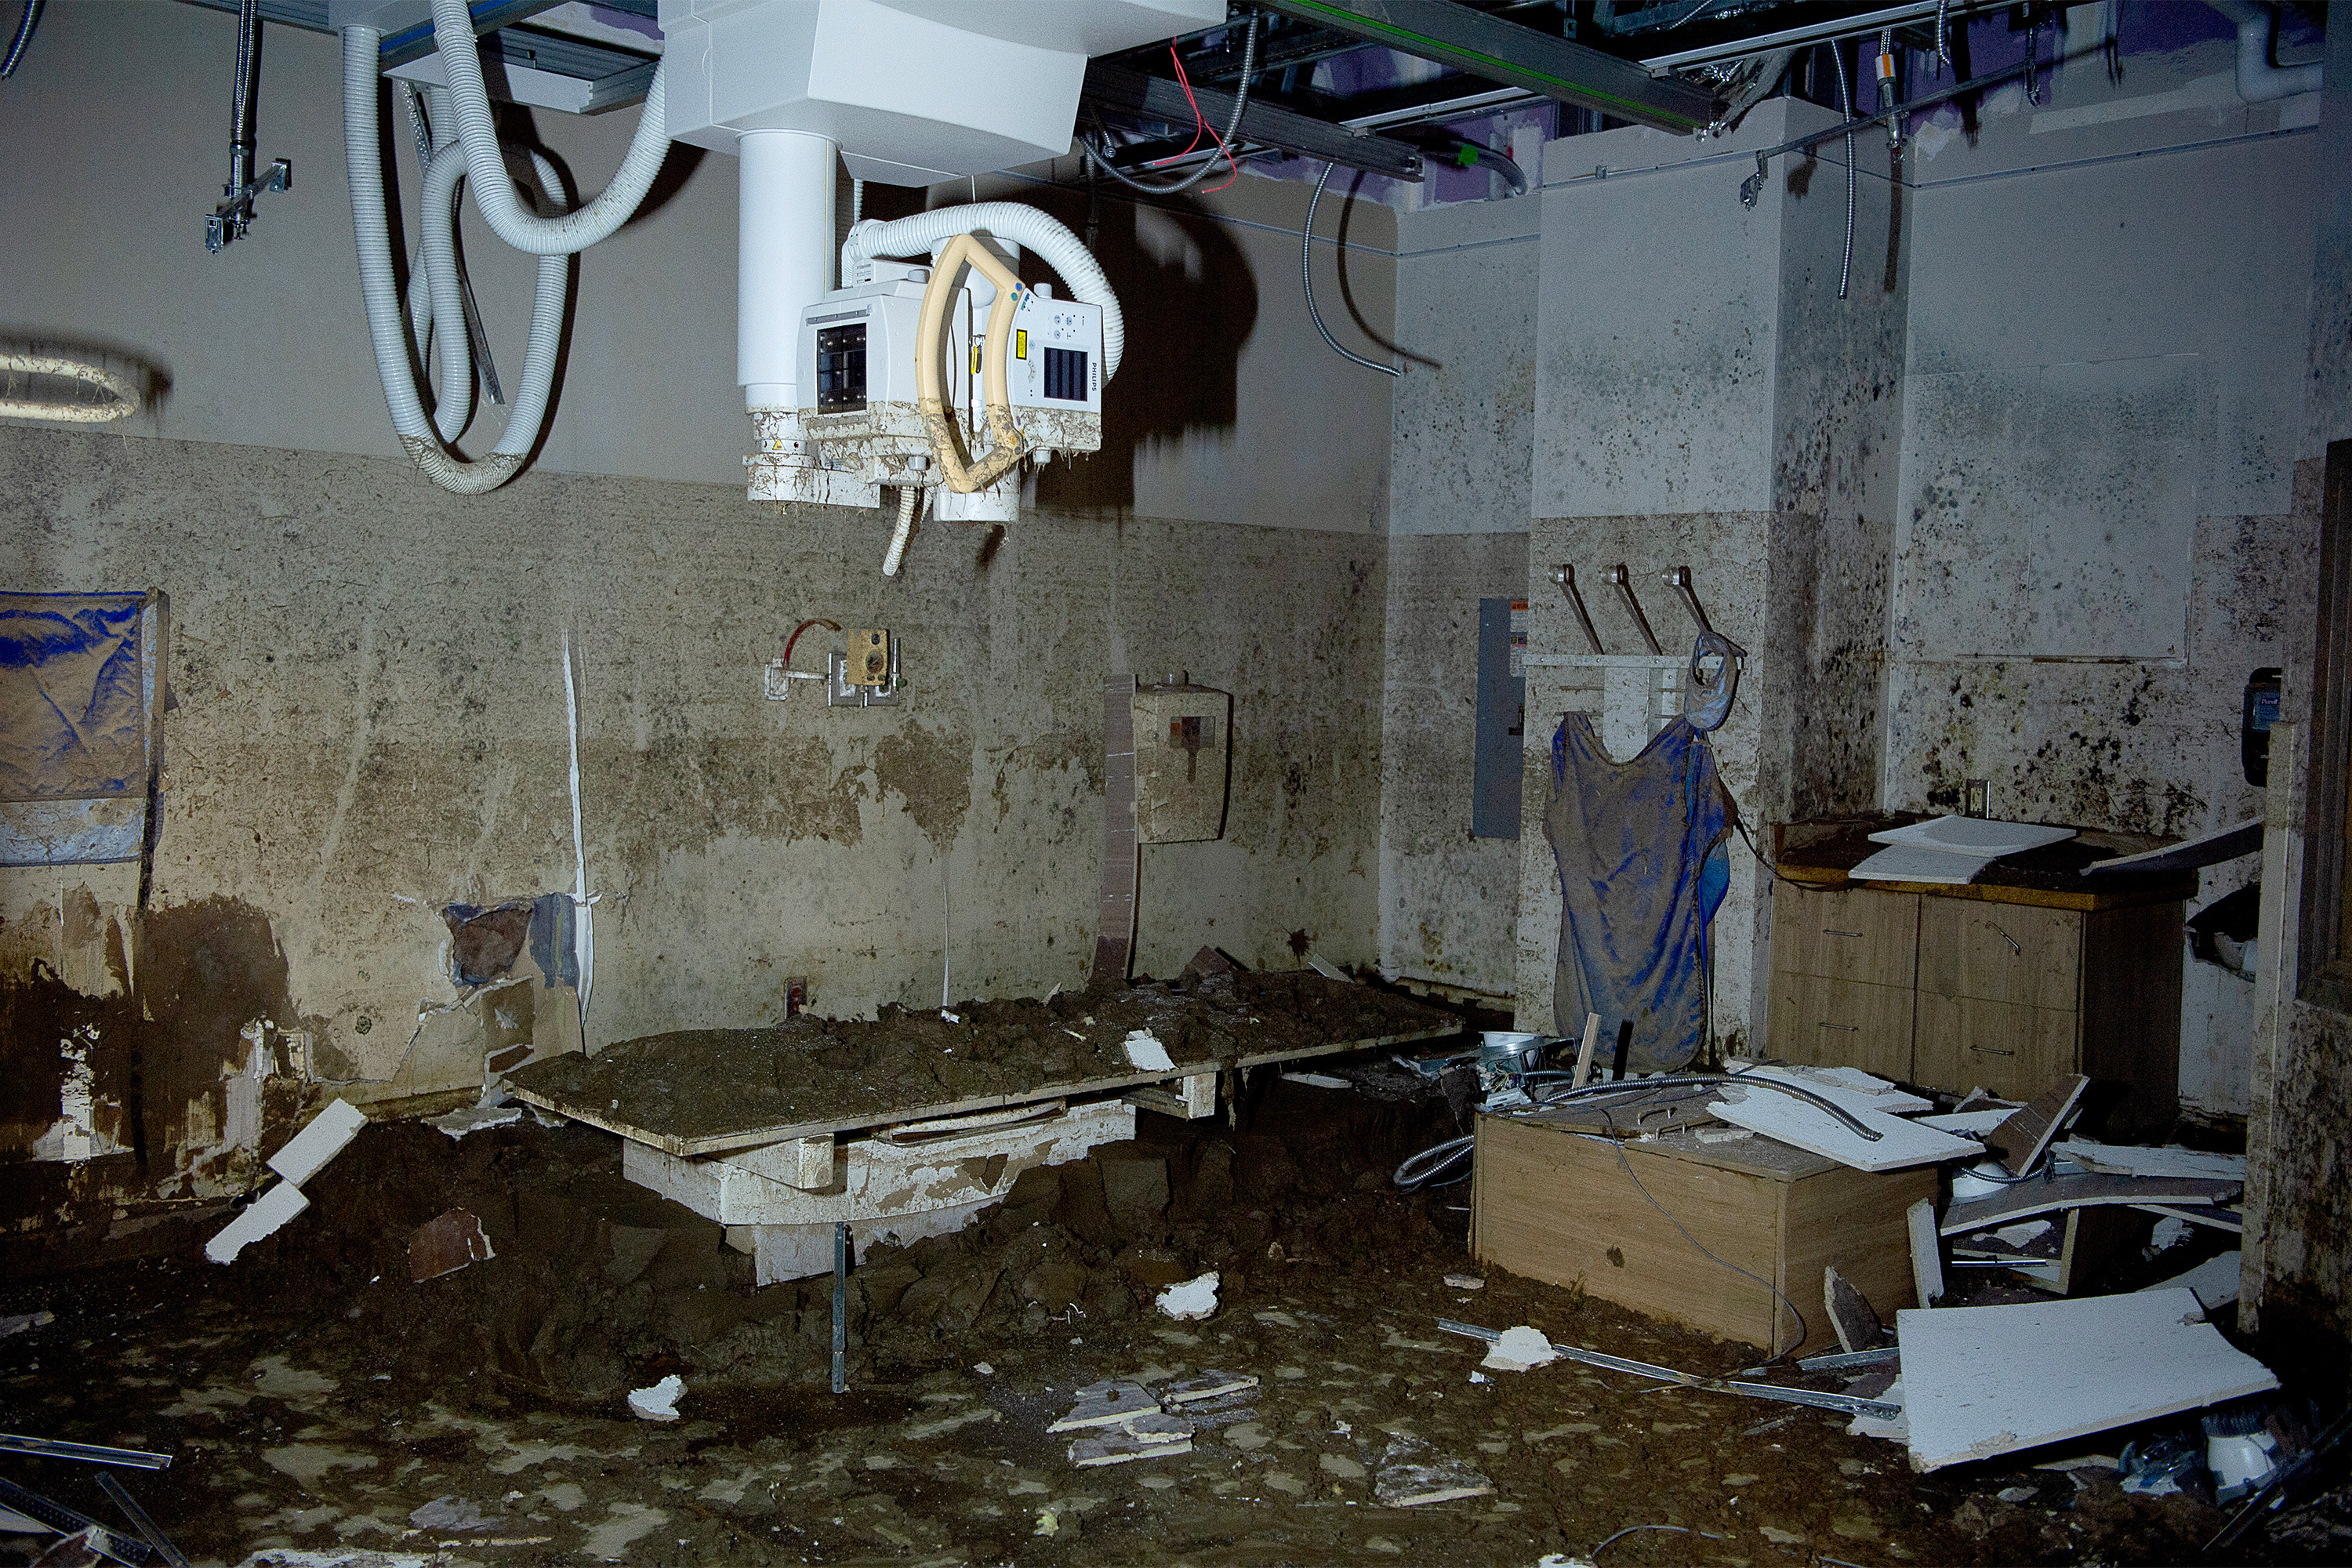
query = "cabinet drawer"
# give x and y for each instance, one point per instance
(1968, 1043)
(1873, 938)
(1843, 1023)
(2001, 952)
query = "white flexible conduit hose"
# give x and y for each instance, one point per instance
(1022, 226)
(122, 395)
(397, 370)
(494, 195)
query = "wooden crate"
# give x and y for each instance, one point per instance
(1557, 1206)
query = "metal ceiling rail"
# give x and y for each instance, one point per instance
(1813, 33)
(1131, 93)
(1514, 56)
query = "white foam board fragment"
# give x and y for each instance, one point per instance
(256, 1220)
(318, 1142)
(1146, 1054)
(1850, 1087)
(2123, 1160)
(2213, 1282)
(475, 1118)
(1974, 835)
(1982, 1380)
(1916, 863)
(1193, 1299)
(1210, 1383)
(1519, 1349)
(1442, 1480)
(1124, 1445)
(1901, 1142)
(14, 1523)
(658, 1402)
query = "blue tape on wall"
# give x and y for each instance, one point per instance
(78, 693)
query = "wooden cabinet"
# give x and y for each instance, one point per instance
(1966, 989)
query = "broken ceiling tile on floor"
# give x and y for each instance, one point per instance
(256, 1220)
(1191, 1300)
(1106, 1404)
(324, 1138)
(446, 1243)
(1982, 1380)
(2123, 1160)
(658, 1402)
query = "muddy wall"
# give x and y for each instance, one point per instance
(1731, 415)
(1460, 470)
(2100, 532)
(370, 724)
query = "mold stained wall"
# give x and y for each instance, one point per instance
(2298, 1291)
(1730, 414)
(1461, 464)
(2102, 528)
(368, 717)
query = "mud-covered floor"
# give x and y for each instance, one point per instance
(315, 1398)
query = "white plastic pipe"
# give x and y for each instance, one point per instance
(1065, 252)
(435, 273)
(494, 194)
(2258, 82)
(371, 233)
(784, 258)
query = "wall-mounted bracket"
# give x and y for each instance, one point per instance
(1679, 580)
(1624, 581)
(1565, 576)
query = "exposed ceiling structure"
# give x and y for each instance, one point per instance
(1371, 85)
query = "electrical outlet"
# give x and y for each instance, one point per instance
(870, 657)
(796, 994)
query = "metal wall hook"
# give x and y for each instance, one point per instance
(1624, 581)
(1679, 580)
(1565, 576)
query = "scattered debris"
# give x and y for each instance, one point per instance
(1146, 1054)
(88, 1453)
(1990, 1379)
(1402, 1483)
(54, 1515)
(450, 1512)
(1841, 1402)
(2185, 1195)
(1210, 1384)
(1122, 1445)
(79, 1550)
(2026, 1135)
(1464, 1282)
(1891, 1143)
(1191, 1300)
(317, 1143)
(446, 1243)
(1852, 1316)
(256, 1220)
(2214, 1281)
(658, 1402)
(2121, 1160)
(23, 1322)
(1107, 1403)
(152, 1532)
(1926, 1253)
(475, 1118)
(1519, 1349)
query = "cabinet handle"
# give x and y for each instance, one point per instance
(1855, 934)
(1843, 1028)
(1989, 1052)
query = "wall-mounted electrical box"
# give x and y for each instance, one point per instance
(865, 673)
(1184, 745)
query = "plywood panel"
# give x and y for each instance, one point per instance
(1966, 1043)
(2131, 1012)
(2001, 952)
(1854, 935)
(1836, 1023)
(1562, 1208)
(1860, 1224)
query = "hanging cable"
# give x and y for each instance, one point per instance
(25, 26)
(1846, 107)
(1307, 281)
(1102, 157)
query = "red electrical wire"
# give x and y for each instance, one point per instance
(1202, 121)
(797, 630)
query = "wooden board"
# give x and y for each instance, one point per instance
(1966, 1042)
(1843, 1023)
(2038, 1197)
(772, 1100)
(1868, 937)
(1559, 1207)
(1822, 853)
(2131, 1012)
(2031, 957)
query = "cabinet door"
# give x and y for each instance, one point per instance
(1842, 1022)
(2001, 952)
(1851, 934)
(1966, 1042)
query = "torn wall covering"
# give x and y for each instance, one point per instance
(79, 695)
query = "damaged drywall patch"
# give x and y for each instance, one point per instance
(931, 771)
